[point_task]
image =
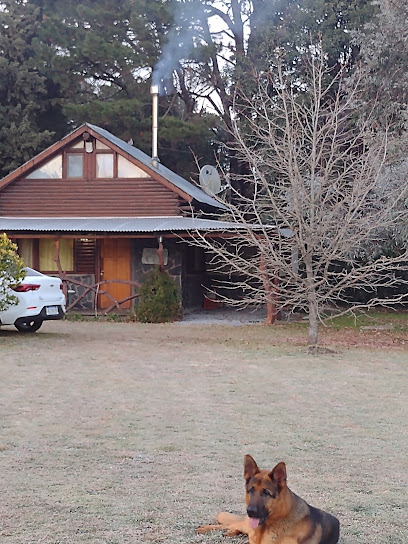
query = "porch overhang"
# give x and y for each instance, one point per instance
(117, 225)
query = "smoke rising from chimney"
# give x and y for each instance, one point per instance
(180, 43)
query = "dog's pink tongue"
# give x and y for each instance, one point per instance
(253, 523)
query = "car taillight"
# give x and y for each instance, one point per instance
(24, 287)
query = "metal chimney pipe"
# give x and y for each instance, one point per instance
(154, 91)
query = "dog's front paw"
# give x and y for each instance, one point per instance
(232, 532)
(207, 528)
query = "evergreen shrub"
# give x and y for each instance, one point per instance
(159, 298)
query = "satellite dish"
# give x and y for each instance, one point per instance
(210, 180)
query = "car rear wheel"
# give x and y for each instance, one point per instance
(29, 325)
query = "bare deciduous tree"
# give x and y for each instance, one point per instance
(318, 200)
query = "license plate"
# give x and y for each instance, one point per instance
(51, 310)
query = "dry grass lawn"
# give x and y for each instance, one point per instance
(129, 433)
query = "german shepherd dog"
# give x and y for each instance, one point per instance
(275, 515)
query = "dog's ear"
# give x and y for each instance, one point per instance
(278, 474)
(250, 467)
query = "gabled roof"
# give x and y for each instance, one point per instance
(180, 185)
(187, 187)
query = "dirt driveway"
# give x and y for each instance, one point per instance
(129, 433)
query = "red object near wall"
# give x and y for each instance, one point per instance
(211, 303)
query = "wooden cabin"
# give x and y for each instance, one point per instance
(95, 210)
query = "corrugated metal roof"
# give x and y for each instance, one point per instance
(197, 193)
(114, 224)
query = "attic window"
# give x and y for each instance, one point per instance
(104, 165)
(50, 169)
(75, 165)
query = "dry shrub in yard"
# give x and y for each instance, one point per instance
(130, 433)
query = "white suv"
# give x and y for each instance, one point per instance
(40, 298)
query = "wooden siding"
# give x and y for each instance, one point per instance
(93, 198)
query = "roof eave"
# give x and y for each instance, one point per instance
(54, 148)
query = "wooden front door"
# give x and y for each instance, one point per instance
(115, 265)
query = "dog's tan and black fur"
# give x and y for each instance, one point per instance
(275, 515)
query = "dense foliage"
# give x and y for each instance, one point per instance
(24, 90)
(159, 298)
(384, 52)
(11, 271)
(65, 62)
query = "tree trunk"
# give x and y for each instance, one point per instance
(271, 292)
(312, 303)
(313, 321)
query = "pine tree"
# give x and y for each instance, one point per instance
(384, 52)
(102, 56)
(23, 87)
(292, 25)
(384, 47)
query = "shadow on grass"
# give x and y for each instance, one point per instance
(10, 334)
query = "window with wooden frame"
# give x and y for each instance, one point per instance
(27, 250)
(105, 164)
(46, 255)
(75, 164)
(88, 159)
(40, 253)
(76, 256)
